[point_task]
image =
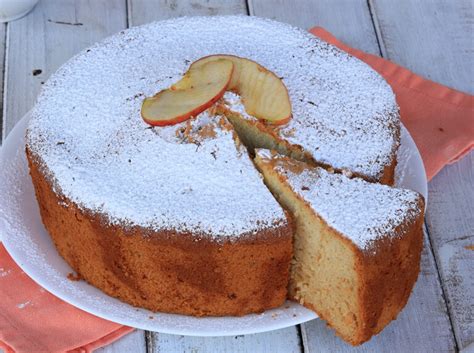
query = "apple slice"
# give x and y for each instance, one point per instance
(263, 93)
(199, 88)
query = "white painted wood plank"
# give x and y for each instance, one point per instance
(348, 20)
(422, 327)
(132, 343)
(3, 31)
(45, 39)
(279, 341)
(450, 221)
(144, 11)
(432, 38)
(435, 39)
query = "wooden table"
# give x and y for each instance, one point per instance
(431, 37)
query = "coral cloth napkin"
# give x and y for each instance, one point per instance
(34, 321)
(441, 121)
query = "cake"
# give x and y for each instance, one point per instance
(229, 251)
(357, 245)
(177, 218)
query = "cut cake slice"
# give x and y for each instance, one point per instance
(357, 245)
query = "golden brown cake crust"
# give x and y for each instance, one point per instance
(388, 275)
(165, 271)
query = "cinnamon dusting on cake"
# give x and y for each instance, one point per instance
(295, 166)
(187, 132)
(224, 124)
(291, 164)
(289, 132)
(207, 131)
(194, 131)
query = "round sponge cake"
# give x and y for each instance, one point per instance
(177, 219)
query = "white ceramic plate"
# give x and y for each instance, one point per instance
(31, 247)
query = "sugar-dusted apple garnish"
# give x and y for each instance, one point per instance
(263, 93)
(200, 87)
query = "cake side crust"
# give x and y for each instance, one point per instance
(379, 278)
(388, 275)
(165, 271)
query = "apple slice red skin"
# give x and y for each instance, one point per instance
(188, 115)
(267, 122)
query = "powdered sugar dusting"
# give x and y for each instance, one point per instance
(361, 211)
(234, 103)
(87, 129)
(344, 113)
(170, 178)
(364, 147)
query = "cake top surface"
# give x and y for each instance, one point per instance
(361, 211)
(191, 177)
(86, 125)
